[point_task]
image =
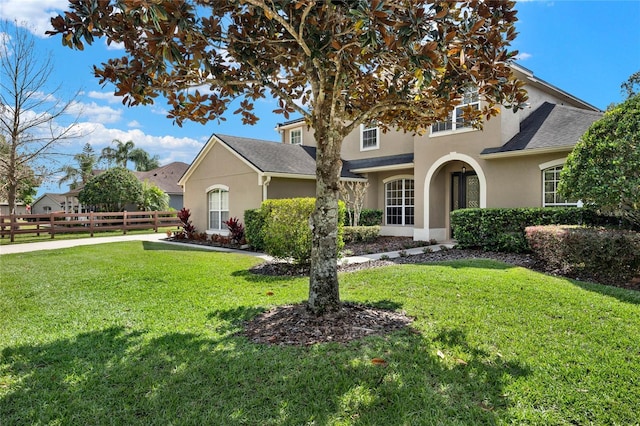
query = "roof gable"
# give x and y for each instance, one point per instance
(267, 157)
(550, 127)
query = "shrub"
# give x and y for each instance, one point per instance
(236, 230)
(254, 220)
(604, 255)
(503, 229)
(370, 217)
(188, 230)
(353, 234)
(286, 232)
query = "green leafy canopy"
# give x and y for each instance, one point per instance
(604, 167)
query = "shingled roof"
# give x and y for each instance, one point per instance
(551, 126)
(165, 177)
(275, 157)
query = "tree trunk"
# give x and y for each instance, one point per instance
(324, 294)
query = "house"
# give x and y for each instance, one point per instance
(514, 161)
(166, 178)
(21, 208)
(48, 203)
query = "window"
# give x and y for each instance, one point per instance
(218, 209)
(456, 120)
(550, 180)
(295, 137)
(369, 135)
(399, 199)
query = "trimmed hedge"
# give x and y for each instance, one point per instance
(604, 255)
(360, 233)
(504, 229)
(281, 228)
(254, 228)
(370, 217)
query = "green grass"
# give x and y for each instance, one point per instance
(145, 333)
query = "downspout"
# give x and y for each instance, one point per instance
(265, 183)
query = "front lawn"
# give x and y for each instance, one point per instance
(145, 333)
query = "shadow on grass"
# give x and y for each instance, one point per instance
(118, 376)
(622, 294)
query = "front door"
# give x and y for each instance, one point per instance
(465, 190)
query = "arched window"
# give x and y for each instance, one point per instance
(550, 195)
(399, 202)
(218, 208)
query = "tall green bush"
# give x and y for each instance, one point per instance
(281, 227)
(254, 220)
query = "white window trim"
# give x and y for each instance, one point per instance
(291, 136)
(552, 165)
(454, 124)
(384, 188)
(207, 191)
(370, 148)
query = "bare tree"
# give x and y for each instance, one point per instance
(353, 194)
(29, 111)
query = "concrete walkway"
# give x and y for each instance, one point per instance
(160, 238)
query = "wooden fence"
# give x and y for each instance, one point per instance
(59, 223)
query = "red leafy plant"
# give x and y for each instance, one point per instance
(188, 229)
(236, 230)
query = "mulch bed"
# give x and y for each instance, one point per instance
(295, 325)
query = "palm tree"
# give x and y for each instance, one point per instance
(123, 152)
(143, 162)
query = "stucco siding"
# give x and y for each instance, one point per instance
(221, 167)
(291, 188)
(517, 182)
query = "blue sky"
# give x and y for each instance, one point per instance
(586, 48)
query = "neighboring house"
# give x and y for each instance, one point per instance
(48, 203)
(416, 180)
(21, 208)
(166, 178)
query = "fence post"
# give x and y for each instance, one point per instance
(52, 227)
(156, 215)
(91, 219)
(124, 222)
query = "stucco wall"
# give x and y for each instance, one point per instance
(221, 167)
(291, 188)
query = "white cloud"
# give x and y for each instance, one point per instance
(134, 124)
(523, 56)
(105, 96)
(35, 15)
(98, 113)
(168, 148)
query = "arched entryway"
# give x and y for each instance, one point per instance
(453, 181)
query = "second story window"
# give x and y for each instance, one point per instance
(456, 120)
(369, 136)
(295, 137)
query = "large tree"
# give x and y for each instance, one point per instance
(401, 63)
(604, 167)
(80, 174)
(31, 112)
(112, 191)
